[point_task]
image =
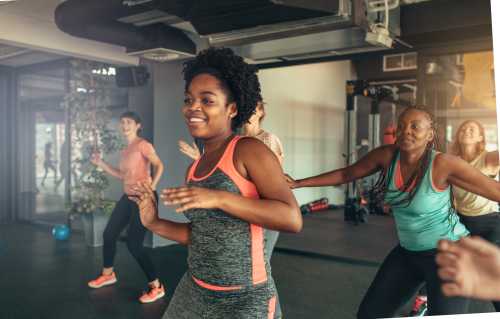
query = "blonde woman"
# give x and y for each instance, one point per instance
(480, 215)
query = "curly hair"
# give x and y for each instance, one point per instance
(238, 79)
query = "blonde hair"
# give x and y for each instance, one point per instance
(480, 146)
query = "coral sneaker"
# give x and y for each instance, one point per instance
(153, 294)
(103, 280)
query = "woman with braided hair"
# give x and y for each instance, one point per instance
(416, 182)
(234, 190)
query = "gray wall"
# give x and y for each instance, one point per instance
(141, 101)
(8, 188)
(169, 127)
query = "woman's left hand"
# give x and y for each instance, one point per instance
(191, 197)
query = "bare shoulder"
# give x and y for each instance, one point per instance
(250, 147)
(442, 159)
(446, 163)
(246, 142)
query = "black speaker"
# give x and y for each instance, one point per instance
(131, 76)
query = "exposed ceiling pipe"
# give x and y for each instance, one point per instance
(97, 20)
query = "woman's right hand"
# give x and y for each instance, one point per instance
(191, 151)
(96, 159)
(147, 201)
(292, 183)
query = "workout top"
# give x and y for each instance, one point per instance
(470, 204)
(273, 142)
(134, 163)
(427, 219)
(225, 252)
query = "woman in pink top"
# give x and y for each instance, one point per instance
(136, 160)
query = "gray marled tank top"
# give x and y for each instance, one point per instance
(225, 253)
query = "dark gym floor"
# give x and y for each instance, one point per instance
(41, 278)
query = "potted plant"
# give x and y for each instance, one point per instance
(88, 104)
(91, 205)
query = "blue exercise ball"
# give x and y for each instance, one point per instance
(61, 232)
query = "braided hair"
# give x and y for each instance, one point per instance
(410, 188)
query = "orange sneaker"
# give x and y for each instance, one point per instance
(103, 280)
(153, 294)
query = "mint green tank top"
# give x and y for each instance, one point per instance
(427, 219)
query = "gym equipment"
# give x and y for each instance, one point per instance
(419, 307)
(353, 90)
(61, 232)
(389, 134)
(315, 206)
(377, 92)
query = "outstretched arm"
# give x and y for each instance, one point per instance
(372, 162)
(453, 170)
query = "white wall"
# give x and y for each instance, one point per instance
(305, 109)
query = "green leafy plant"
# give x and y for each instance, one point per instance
(88, 104)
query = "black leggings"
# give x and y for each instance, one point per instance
(126, 213)
(399, 278)
(488, 227)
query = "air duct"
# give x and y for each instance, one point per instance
(98, 20)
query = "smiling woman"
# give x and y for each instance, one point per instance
(234, 191)
(135, 163)
(479, 214)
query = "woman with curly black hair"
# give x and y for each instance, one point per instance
(234, 191)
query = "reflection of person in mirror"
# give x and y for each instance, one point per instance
(48, 162)
(480, 215)
(64, 164)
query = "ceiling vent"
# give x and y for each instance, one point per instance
(162, 55)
